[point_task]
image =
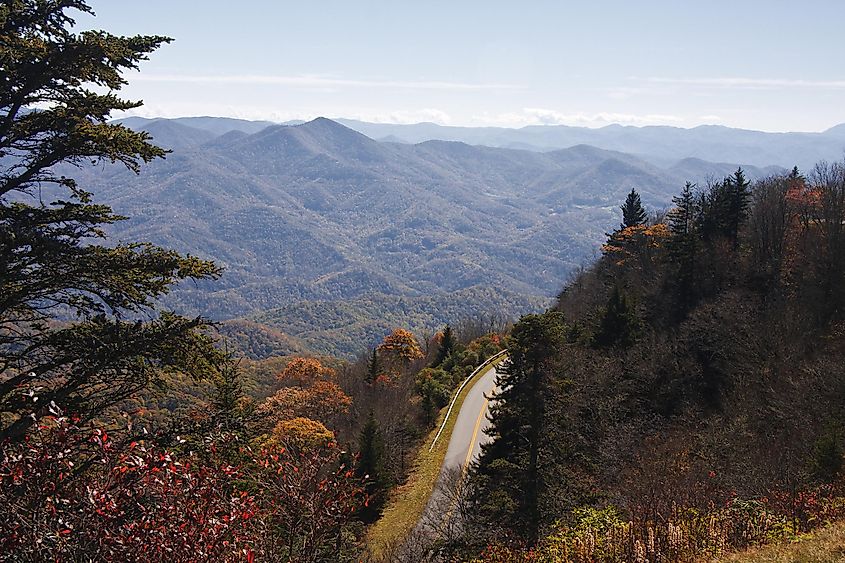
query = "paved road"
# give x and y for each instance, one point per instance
(469, 433)
(471, 425)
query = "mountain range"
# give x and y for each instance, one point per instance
(660, 145)
(317, 216)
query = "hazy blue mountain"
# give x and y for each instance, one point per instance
(654, 143)
(171, 134)
(318, 214)
(661, 145)
(838, 131)
(214, 125)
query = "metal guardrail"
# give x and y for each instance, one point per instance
(477, 370)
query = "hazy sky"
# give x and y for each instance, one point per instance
(767, 64)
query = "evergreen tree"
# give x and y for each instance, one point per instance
(683, 246)
(370, 467)
(633, 213)
(619, 324)
(56, 95)
(682, 216)
(373, 366)
(447, 346)
(723, 208)
(509, 478)
(228, 393)
(739, 195)
(708, 214)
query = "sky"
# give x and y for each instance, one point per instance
(769, 65)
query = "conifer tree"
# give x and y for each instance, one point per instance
(682, 216)
(228, 393)
(633, 213)
(510, 482)
(683, 245)
(447, 346)
(739, 194)
(723, 208)
(619, 323)
(373, 366)
(57, 94)
(708, 213)
(371, 469)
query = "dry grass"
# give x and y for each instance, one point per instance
(823, 546)
(407, 503)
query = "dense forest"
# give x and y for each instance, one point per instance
(684, 397)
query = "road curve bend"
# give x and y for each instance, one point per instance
(472, 423)
(468, 435)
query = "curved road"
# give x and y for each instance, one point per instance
(468, 434)
(471, 426)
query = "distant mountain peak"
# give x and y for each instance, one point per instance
(320, 137)
(324, 122)
(324, 126)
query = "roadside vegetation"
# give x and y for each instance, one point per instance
(407, 503)
(826, 545)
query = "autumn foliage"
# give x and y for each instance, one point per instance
(323, 400)
(304, 371)
(74, 493)
(71, 493)
(398, 350)
(302, 433)
(309, 498)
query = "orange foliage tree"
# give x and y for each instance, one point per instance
(303, 371)
(323, 400)
(639, 241)
(400, 348)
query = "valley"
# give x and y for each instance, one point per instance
(316, 216)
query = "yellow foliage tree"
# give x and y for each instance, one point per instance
(302, 433)
(641, 242)
(401, 345)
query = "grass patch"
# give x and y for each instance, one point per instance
(407, 502)
(823, 546)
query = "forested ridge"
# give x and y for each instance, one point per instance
(684, 396)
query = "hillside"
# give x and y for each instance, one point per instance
(319, 212)
(684, 396)
(343, 327)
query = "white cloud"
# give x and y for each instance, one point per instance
(258, 113)
(404, 116)
(542, 116)
(748, 83)
(311, 82)
(709, 119)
